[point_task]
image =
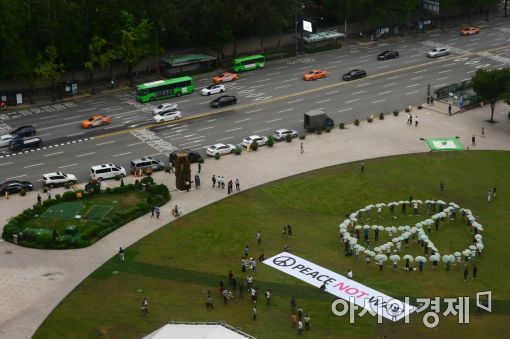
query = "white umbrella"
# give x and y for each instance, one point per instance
(357, 227)
(466, 253)
(380, 205)
(372, 254)
(381, 228)
(381, 256)
(353, 240)
(374, 227)
(480, 246)
(367, 227)
(457, 254)
(393, 229)
(388, 229)
(454, 205)
(472, 247)
(478, 237)
(420, 259)
(418, 225)
(402, 202)
(368, 207)
(440, 202)
(417, 201)
(354, 219)
(408, 257)
(429, 221)
(392, 204)
(361, 248)
(428, 201)
(394, 257)
(377, 249)
(407, 228)
(448, 258)
(389, 244)
(395, 240)
(367, 252)
(400, 228)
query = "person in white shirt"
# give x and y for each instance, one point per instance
(349, 274)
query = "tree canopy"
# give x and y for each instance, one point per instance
(492, 85)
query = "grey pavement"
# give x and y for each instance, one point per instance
(33, 282)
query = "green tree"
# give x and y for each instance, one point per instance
(49, 67)
(100, 57)
(492, 85)
(134, 42)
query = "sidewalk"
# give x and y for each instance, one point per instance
(33, 282)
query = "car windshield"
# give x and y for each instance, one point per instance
(90, 119)
(160, 106)
(210, 87)
(219, 75)
(213, 147)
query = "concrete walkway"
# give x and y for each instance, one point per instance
(33, 282)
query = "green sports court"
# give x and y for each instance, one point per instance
(97, 212)
(63, 211)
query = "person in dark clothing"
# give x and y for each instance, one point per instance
(230, 277)
(241, 289)
(404, 206)
(199, 168)
(209, 300)
(213, 181)
(466, 272)
(475, 270)
(376, 234)
(293, 303)
(441, 187)
(234, 284)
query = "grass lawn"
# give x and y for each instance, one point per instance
(175, 266)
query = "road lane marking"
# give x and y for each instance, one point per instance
(189, 135)
(274, 120)
(234, 129)
(416, 78)
(378, 101)
(6, 163)
(253, 111)
(34, 165)
(332, 92)
(120, 154)
(413, 85)
(227, 138)
(50, 154)
(439, 79)
(84, 155)
(105, 143)
(205, 128)
(136, 143)
(242, 120)
(282, 86)
(16, 177)
(293, 102)
(445, 71)
(320, 102)
(48, 117)
(395, 77)
(354, 100)
(65, 166)
(261, 130)
(286, 110)
(388, 85)
(73, 117)
(358, 92)
(364, 84)
(383, 93)
(412, 92)
(345, 109)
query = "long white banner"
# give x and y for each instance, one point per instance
(340, 286)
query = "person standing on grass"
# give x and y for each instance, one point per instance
(475, 270)
(441, 187)
(349, 274)
(241, 289)
(293, 303)
(121, 254)
(246, 251)
(145, 306)
(230, 277)
(254, 312)
(234, 284)
(300, 327)
(268, 296)
(362, 166)
(209, 300)
(494, 191)
(465, 272)
(299, 313)
(259, 238)
(307, 322)
(489, 195)
(293, 319)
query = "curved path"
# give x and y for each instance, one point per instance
(33, 282)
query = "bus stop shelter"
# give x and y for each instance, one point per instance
(322, 39)
(182, 63)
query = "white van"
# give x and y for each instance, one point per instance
(106, 171)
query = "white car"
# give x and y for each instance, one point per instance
(261, 141)
(167, 107)
(167, 116)
(281, 134)
(438, 52)
(213, 89)
(6, 139)
(220, 149)
(58, 178)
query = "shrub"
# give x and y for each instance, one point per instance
(420, 106)
(327, 129)
(121, 182)
(130, 186)
(288, 138)
(137, 183)
(58, 196)
(67, 185)
(238, 150)
(160, 189)
(23, 192)
(108, 190)
(68, 196)
(341, 125)
(45, 189)
(381, 116)
(319, 131)
(302, 137)
(121, 189)
(148, 180)
(407, 110)
(270, 141)
(118, 177)
(201, 160)
(370, 119)
(356, 122)
(167, 169)
(395, 112)
(91, 231)
(217, 156)
(93, 187)
(254, 146)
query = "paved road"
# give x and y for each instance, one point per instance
(271, 98)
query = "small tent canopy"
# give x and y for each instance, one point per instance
(215, 330)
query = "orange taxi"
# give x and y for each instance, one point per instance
(469, 31)
(315, 74)
(95, 120)
(225, 77)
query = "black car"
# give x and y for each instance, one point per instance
(23, 131)
(354, 74)
(192, 156)
(388, 55)
(15, 186)
(224, 100)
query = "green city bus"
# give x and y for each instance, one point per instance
(248, 63)
(161, 89)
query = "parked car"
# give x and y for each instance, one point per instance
(167, 116)
(192, 156)
(23, 131)
(225, 77)
(469, 31)
(224, 100)
(354, 74)
(388, 55)
(281, 134)
(15, 186)
(5, 140)
(220, 149)
(315, 74)
(146, 164)
(95, 120)
(261, 141)
(438, 52)
(19, 144)
(212, 89)
(58, 178)
(106, 171)
(166, 107)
